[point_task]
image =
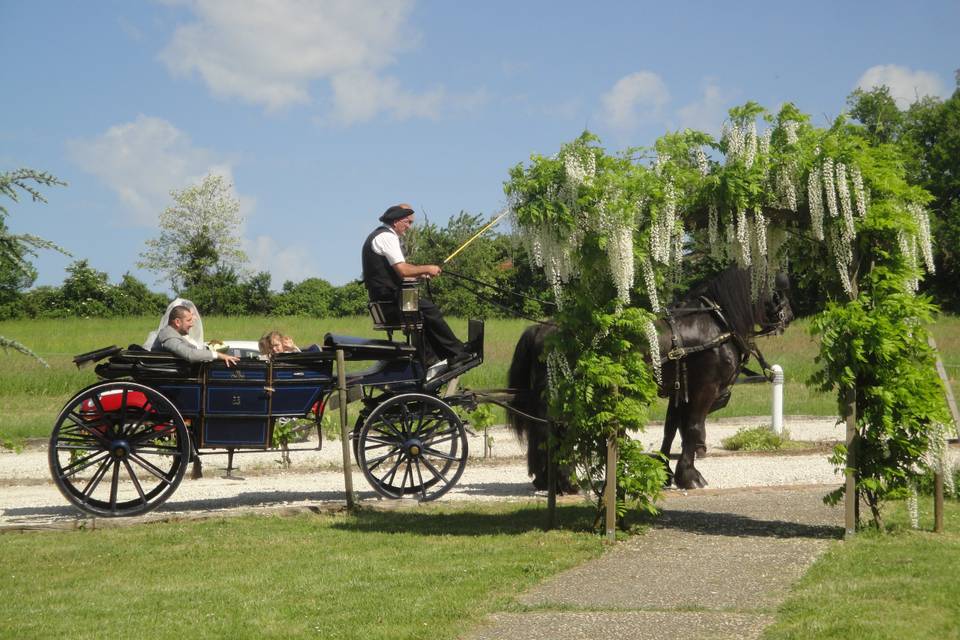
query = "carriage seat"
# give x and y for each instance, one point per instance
(390, 316)
(355, 348)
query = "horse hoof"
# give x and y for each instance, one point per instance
(692, 479)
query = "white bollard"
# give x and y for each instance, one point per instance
(777, 410)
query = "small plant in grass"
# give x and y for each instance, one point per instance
(482, 418)
(759, 438)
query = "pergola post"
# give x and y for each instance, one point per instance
(344, 432)
(610, 494)
(850, 496)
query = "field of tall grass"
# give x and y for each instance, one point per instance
(31, 396)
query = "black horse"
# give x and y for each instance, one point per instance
(705, 340)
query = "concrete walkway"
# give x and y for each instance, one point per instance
(715, 565)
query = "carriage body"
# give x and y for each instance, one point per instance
(121, 446)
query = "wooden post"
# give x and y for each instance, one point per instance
(610, 498)
(952, 405)
(344, 431)
(947, 390)
(938, 503)
(850, 497)
(551, 479)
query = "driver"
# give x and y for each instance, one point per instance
(172, 338)
(385, 267)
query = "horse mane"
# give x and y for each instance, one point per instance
(730, 289)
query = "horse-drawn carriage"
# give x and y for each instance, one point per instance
(121, 446)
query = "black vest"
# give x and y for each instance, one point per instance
(379, 277)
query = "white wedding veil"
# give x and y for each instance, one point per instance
(196, 331)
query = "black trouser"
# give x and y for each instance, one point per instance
(439, 335)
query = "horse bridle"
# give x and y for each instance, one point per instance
(781, 302)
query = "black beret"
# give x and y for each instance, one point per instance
(396, 212)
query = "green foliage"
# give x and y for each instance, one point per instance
(349, 300)
(311, 297)
(601, 385)
(491, 258)
(16, 272)
(199, 236)
(760, 438)
(877, 345)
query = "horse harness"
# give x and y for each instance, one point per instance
(679, 351)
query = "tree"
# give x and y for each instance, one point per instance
(611, 233)
(928, 135)
(15, 267)
(311, 297)
(199, 235)
(481, 260)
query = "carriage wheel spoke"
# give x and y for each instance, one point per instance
(136, 482)
(89, 428)
(83, 463)
(114, 486)
(408, 472)
(149, 467)
(436, 472)
(376, 461)
(95, 480)
(390, 475)
(440, 454)
(423, 487)
(159, 450)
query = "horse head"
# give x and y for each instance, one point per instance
(777, 310)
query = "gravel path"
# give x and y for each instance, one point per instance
(28, 498)
(716, 565)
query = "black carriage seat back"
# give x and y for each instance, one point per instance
(392, 315)
(355, 348)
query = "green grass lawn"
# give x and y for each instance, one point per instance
(903, 584)
(425, 573)
(31, 396)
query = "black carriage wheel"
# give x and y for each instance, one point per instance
(118, 449)
(412, 444)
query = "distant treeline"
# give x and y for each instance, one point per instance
(493, 258)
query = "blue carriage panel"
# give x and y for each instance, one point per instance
(185, 397)
(311, 375)
(296, 400)
(234, 432)
(386, 372)
(236, 399)
(254, 372)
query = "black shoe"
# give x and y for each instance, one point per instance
(459, 359)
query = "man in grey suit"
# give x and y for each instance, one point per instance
(171, 338)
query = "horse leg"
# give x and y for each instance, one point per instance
(669, 433)
(693, 435)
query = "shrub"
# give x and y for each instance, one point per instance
(759, 438)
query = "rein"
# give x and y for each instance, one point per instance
(496, 303)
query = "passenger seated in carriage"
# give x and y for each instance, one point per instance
(276, 342)
(175, 337)
(384, 269)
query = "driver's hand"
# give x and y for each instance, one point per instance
(432, 271)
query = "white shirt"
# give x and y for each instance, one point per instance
(388, 246)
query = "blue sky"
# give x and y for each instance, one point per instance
(324, 113)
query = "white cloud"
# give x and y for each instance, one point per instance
(143, 160)
(708, 112)
(635, 99)
(289, 262)
(906, 85)
(270, 52)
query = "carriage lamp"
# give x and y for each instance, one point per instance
(410, 300)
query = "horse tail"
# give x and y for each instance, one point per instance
(523, 378)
